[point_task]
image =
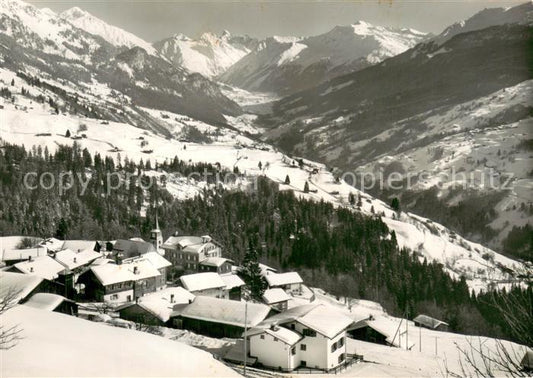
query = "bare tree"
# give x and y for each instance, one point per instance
(504, 358)
(9, 335)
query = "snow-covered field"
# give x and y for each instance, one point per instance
(82, 348)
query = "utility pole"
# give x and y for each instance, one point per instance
(419, 338)
(435, 345)
(245, 335)
(406, 331)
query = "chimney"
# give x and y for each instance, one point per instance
(171, 298)
(75, 260)
(29, 258)
(135, 270)
(31, 269)
(190, 301)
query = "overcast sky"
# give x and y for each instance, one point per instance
(155, 20)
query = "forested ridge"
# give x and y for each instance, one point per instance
(341, 251)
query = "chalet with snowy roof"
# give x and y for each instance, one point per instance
(82, 245)
(43, 266)
(291, 282)
(312, 336)
(75, 261)
(155, 308)
(205, 284)
(186, 252)
(13, 256)
(53, 302)
(218, 265)
(219, 317)
(276, 298)
(381, 330)
(122, 282)
(158, 262)
(431, 323)
(23, 286)
(234, 285)
(52, 244)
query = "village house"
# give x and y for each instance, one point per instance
(186, 252)
(158, 262)
(430, 323)
(234, 285)
(276, 298)
(53, 302)
(218, 317)
(82, 245)
(124, 249)
(20, 287)
(75, 261)
(13, 256)
(155, 308)
(43, 266)
(381, 330)
(218, 265)
(123, 282)
(291, 282)
(205, 284)
(312, 336)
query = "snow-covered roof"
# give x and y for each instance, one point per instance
(44, 266)
(182, 241)
(12, 242)
(22, 254)
(276, 295)
(226, 311)
(286, 335)
(326, 320)
(231, 280)
(73, 260)
(428, 321)
(154, 258)
(280, 279)
(45, 301)
(202, 281)
(394, 333)
(79, 245)
(21, 285)
(116, 349)
(52, 244)
(214, 261)
(159, 303)
(265, 269)
(109, 274)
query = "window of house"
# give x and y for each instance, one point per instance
(293, 326)
(275, 339)
(333, 347)
(309, 332)
(128, 298)
(341, 357)
(303, 363)
(341, 342)
(114, 297)
(262, 337)
(293, 351)
(303, 347)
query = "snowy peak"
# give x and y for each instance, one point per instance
(209, 55)
(520, 14)
(112, 34)
(288, 64)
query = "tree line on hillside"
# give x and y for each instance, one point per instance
(344, 252)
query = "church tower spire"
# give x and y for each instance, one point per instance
(156, 237)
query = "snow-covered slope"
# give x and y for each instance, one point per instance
(58, 345)
(112, 34)
(26, 126)
(521, 14)
(288, 64)
(210, 55)
(45, 31)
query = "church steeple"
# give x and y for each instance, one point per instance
(156, 237)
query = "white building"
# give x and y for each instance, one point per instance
(312, 336)
(207, 284)
(276, 298)
(291, 282)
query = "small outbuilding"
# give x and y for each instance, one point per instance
(431, 323)
(53, 302)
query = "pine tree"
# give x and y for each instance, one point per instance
(67, 134)
(306, 187)
(251, 273)
(395, 204)
(12, 82)
(287, 180)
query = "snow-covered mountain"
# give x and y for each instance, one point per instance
(210, 55)
(287, 64)
(112, 34)
(521, 14)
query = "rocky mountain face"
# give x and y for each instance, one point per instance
(409, 113)
(210, 55)
(51, 47)
(286, 64)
